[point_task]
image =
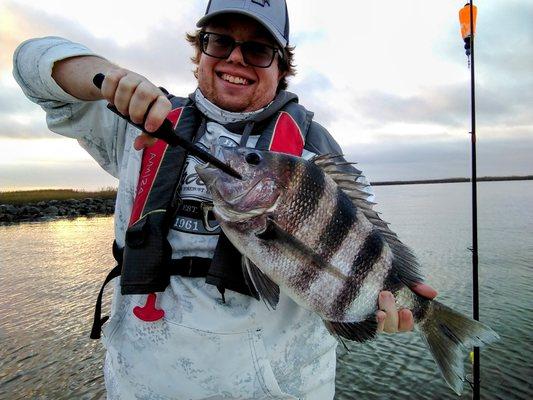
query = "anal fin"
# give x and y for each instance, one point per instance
(356, 331)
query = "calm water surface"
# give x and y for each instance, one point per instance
(50, 274)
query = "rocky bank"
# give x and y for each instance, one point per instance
(52, 209)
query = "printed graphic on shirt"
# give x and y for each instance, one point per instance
(194, 215)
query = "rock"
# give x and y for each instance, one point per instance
(51, 211)
(31, 210)
(42, 204)
(7, 218)
(8, 209)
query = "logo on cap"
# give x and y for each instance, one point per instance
(262, 2)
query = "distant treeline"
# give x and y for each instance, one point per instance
(455, 180)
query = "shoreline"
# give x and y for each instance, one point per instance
(55, 209)
(454, 180)
(46, 205)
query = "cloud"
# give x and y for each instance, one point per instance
(88, 176)
(505, 41)
(449, 106)
(315, 86)
(431, 157)
(162, 54)
(13, 102)
(381, 76)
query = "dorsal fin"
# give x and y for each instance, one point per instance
(346, 178)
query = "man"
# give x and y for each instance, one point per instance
(205, 347)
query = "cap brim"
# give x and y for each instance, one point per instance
(270, 27)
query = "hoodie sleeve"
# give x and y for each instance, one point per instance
(320, 141)
(100, 132)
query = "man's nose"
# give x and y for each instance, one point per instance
(236, 56)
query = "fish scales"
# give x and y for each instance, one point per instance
(302, 214)
(308, 227)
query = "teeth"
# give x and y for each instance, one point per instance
(235, 79)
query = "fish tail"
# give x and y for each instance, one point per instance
(450, 336)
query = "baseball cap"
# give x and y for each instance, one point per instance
(272, 14)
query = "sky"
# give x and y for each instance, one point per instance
(389, 79)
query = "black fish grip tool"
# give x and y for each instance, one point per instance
(166, 132)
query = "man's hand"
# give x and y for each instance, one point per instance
(134, 95)
(131, 93)
(390, 320)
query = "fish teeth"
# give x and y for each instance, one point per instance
(235, 79)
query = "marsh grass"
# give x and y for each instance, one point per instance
(34, 196)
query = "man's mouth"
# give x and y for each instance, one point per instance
(237, 80)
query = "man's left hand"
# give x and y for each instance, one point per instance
(390, 320)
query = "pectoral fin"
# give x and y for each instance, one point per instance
(267, 289)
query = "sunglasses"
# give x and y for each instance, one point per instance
(254, 53)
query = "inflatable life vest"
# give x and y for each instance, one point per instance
(145, 262)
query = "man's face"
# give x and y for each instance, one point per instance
(256, 86)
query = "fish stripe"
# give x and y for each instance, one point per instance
(342, 219)
(363, 262)
(331, 238)
(307, 192)
(302, 203)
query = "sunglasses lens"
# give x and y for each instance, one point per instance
(257, 54)
(221, 46)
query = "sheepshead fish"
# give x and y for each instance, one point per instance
(306, 228)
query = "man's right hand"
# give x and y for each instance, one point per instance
(135, 96)
(131, 93)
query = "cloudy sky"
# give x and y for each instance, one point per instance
(388, 78)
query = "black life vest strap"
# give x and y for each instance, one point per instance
(191, 267)
(98, 321)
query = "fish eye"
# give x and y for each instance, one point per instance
(253, 158)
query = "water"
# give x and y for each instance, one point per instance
(50, 274)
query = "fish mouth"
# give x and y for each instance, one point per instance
(211, 175)
(232, 201)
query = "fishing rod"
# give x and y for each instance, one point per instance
(475, 277)
(166, 133)
(468, 33)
